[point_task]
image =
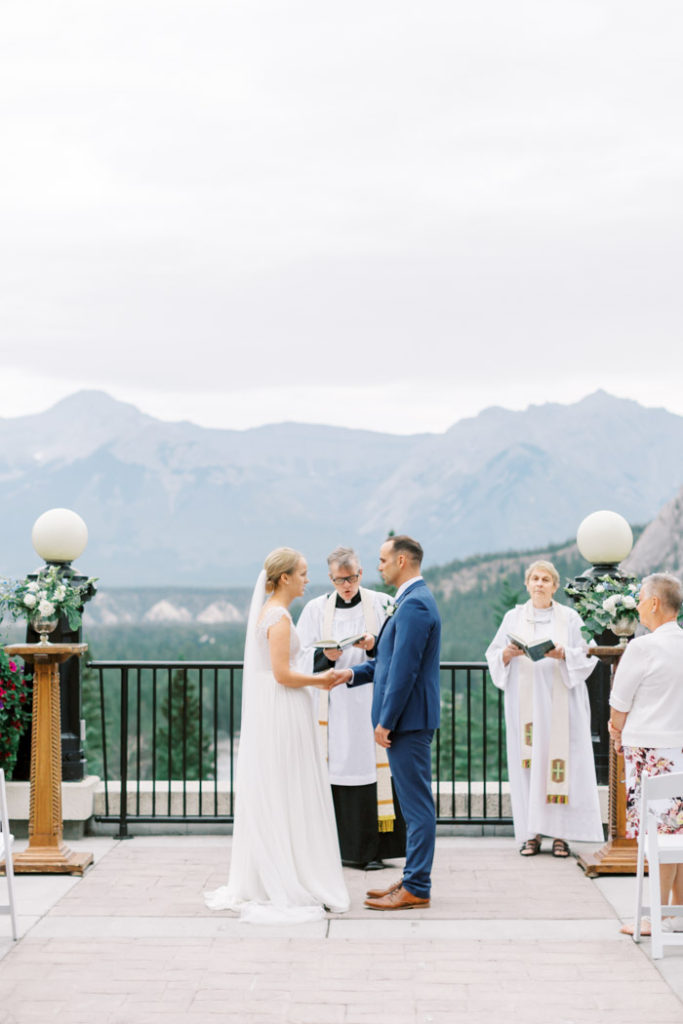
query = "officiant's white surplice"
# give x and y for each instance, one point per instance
(579, 819)
(369, 820)
(351, 740)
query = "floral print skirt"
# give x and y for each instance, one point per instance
(652, 761)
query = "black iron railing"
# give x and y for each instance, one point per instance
(165, 742)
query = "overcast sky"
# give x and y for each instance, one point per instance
(380, 214)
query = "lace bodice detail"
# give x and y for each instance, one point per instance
(272, 615)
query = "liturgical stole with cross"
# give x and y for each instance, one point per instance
(557, 769)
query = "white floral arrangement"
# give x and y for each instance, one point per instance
(48, 596)
(389, 607)
(605, 602)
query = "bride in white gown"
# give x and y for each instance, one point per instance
(285, 863)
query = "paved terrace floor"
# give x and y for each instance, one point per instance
(506, 939)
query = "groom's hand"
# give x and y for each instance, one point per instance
(382, 736)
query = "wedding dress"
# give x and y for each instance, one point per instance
(285, 863)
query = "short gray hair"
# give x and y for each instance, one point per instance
(667, 587)
(545, 567)
(343, 557)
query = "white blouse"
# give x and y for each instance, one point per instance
(648, 684)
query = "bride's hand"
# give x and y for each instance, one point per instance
(332, 677)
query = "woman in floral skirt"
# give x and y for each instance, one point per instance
(647, 717)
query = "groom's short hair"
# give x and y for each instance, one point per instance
(408, 546)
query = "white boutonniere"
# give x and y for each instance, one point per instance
(389, 608)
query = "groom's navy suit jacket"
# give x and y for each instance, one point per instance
(405, 669)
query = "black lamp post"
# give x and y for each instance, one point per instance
(604, 539)
(60, 536)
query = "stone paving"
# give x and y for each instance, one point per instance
(523, 941)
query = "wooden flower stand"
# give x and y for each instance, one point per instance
(618, 856)
(47, 853)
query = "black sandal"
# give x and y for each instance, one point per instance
(560, 848)
(531, 847)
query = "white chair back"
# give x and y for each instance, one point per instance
(661, 848)
(6, 840)
(661, 787)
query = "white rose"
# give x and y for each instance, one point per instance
(30, 600)
(629, 602)
(60, 593)
(46, 609)
(32, 587)
(610, 604)
(599, 588)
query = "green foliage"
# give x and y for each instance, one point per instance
(15, 711)
(182, 753)
(604, 601)
(471, 725)
(149, 642)
(91, 708)
(47, 594)
(507, 599)
(152, 694)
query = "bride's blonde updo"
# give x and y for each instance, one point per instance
(279, 562)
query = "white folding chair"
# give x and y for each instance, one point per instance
(6, 840)
(661, 848)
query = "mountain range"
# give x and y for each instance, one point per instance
(178, 504)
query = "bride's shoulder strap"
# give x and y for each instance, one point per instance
(271, 615)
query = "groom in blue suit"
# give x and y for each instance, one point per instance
(405, 712)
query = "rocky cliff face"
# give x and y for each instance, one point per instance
(660, 547)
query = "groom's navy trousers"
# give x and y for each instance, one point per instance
(405, 672)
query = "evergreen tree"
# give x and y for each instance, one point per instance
(506, 600)
(178, 738)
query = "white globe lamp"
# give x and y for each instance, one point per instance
(604, 538)
(59, 535)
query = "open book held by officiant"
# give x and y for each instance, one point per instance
(338, 645)
(535, 651)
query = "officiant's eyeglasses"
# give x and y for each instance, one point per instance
(338, 580)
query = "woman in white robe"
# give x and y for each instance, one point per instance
(551, 768)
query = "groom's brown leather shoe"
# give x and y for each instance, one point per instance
(375, 894)
(399, 899)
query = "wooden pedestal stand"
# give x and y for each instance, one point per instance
(618, 855)
(47, 852)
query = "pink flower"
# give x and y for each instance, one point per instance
(13, 666)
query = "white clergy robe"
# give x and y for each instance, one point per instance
(351, 739)
(580, 818)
